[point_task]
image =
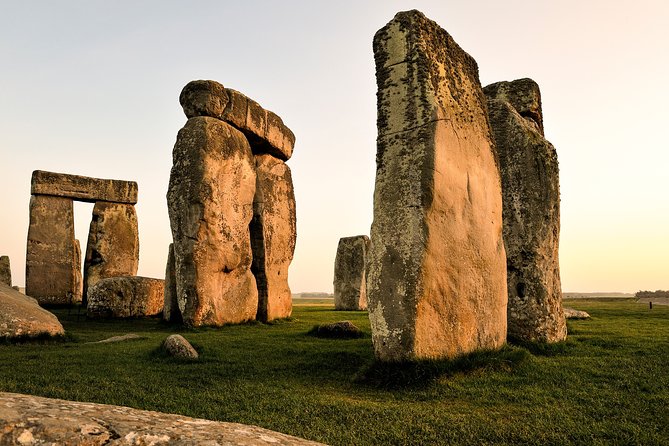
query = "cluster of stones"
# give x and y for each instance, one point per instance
(350, 289)
(232, 211)
(451, 192)
(53, 256)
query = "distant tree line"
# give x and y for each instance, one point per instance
(658, 293)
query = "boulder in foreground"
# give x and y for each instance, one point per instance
(21, 316)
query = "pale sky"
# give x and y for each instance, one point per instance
(91, 88)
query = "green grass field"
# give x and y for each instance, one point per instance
(608, 384)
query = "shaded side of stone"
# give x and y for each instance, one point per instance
(121, 297)
(273, 235)
(265, 130)
(26, 419)
(113, 243)
(51, 261)
(531, 192)
(83, 188)
(5, 271)
(350, 290)
(524, 96)
(78, 276)
(171, 306)
(210, 204)
(436, 283)
(21, 316)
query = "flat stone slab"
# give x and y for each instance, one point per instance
(83, 188)
(28, 420)
(126, 296)
(120, 338)
(20, 315)
(571, 313)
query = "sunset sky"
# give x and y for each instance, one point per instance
(91, 88)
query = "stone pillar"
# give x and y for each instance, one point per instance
(51, 263)
(436, 284)
(5, 271)
(113, 243)
(273, 237)
(531, 197)
(350, 291)
(171, 311)
(210, 203)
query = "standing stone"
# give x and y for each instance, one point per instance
(350, 291)
(531, 197)
(436, 284)
(210, 203)
(171, 303)
(273, 237)
(5, 271)
(113, 243)
(78, 279)
(51, 263)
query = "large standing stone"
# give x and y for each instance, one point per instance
(21, 316)
(210, 203)
(125, 296)
(83, 188)
(113, 243)
(51, 258)
(436, 283)
(350, 290)
(5, 271)
(171, 306)
(273, 237)
(531, 192)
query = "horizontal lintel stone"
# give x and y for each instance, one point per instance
(83, 188)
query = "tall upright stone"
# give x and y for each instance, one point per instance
(5, 271)
(436, 284)
(113, 243)
(350, 289)
(273, 235)
(531, 197)
(210, 203)
(51, 258)
(171, 311)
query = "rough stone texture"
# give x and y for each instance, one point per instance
(113, 243)
(210, 203)
(124, 296)
(571, 313)
(273, 235)
(28, 420)
(337, 330)
(78, 277)
(436, 281)
(171, 306)
(524, 96)
(20, 315)
(350, 290)
(177, 346)
(5, 271)
(265, 130)
(83, 188)
(531, 197)
(52, 271)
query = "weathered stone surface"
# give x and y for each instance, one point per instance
(177, 346)
(210, 203)
(524, 96)
(436, 283)
(125, 296)
(571, 313)
(78, 276)
(265, 130)
(273, 234)
(20, 315)
(531, 197)
(5, 271)
(32, 420)
(171, 306)
(113, 243)
(350, 290)
(52, 271)
(83, 188)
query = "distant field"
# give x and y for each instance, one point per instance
(608, 384)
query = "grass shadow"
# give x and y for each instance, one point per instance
(545, 348)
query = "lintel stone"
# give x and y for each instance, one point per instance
(83, 188)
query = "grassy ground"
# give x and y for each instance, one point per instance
(608, 384)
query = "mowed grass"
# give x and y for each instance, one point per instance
(608, 384)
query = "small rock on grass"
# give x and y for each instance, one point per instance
(337, 330)
(177, 346)
(571, 313)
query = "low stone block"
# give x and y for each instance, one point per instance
(5, 271)
(83, 188)
(350, 291)
(21, 315)
(121, 297)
